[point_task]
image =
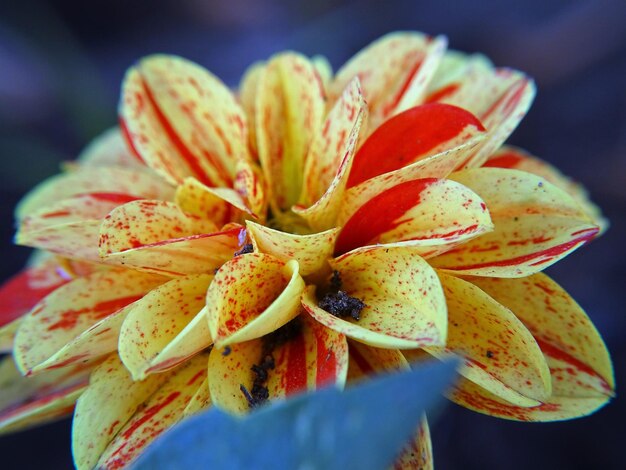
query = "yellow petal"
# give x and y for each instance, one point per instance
(405, 306)
(419, 452)
(158, 413)
(250, 185)
(499, 352)
(195, 198)
(183, 121)
(536, 224)
(393, 70)
(251, 296)
(29, 401)
(308, 357)
(578, 358)
(200, 401)
(7, 335)
(109, 149)
(165, 327)
(310, 251)
(289, 110)
(324, 69)
(70, 310)
(127, 181)
(107, 404)
(366, 361)
(248, 90)
(431, 215)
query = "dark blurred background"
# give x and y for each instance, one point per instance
(61, 65)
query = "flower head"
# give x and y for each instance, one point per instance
(308, 230)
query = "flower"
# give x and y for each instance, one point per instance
(310, 230)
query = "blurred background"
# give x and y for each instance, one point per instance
(62, 62)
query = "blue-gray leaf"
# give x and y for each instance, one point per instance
(363, 427)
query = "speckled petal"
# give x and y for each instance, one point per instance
(109, 149)
(310, 251)
(30, 401)
(405, 305)
(195, 198)
(413, 135)
(252, 295)
(70, 310)
(518, 159)
(94, 180)
(95, 425)
(289, 111)
(183, 121)
(536, 224)
(250, 185)
(314, 358)
(200, 401)
(418, 454)
(248, 90)
(158, 413)
(366, 361)
(394, 71)
(499, 352)
(166, 327)
(432, 215)
(576, 354)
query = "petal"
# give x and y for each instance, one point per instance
(393, 70)
(127, 181)
(251, 296)
(165, 327)
(7, 335)
(183, 121)
(499, 353)
(578, 358)
(433, 214)
(29, 401)
(158, 413)
(110, 400)
(109, 149)
(70, 310)
(250, 185)
(200, 401)
(413, 135)
(289, 110)
(517, 159)
(311, 357)
(324, 69)
(419, 453)
(195, 198)
(366, 361)
(310, 251)
(536, 224)
(248, 90)
(405, 306)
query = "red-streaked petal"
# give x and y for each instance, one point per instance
(109, 149)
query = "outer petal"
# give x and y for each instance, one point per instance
(366, 361)
(109, 149)
(413, 135)
(71, 309)
(251, 296)
(95, 425)
(248, 90)
(159, 412)
(432, 214)
(405, 305)
(310, 251)
(314, 358)
(394, 72)
(127, 181)
(289, 110)
(29, 401)
(573, 347)
(166, 327)
(183, 121)
(500, 353)
(536, 224)
(419, 452)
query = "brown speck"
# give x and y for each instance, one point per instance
(489, 354)
(247, 248)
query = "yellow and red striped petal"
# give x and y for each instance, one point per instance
(499, 352)
(70, 310)
(200, 401)
(156, 414)
(404, 302)
(394, 71)
(248, 90)
(183, 121)
(573, 347)
(518, 159)
(309, 358)
(29, 401)
(432, 214)
(324, 70)
(165, 327)
(289, 111)
(195, 198)
(109, 149)
(310, 251)
(252, 295)
(95, 425)
(116, 180)
(250, 185)
(536, 224)
(412, 135)
(366, 361)
(419, 452)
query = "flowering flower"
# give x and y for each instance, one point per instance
(310, 230)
